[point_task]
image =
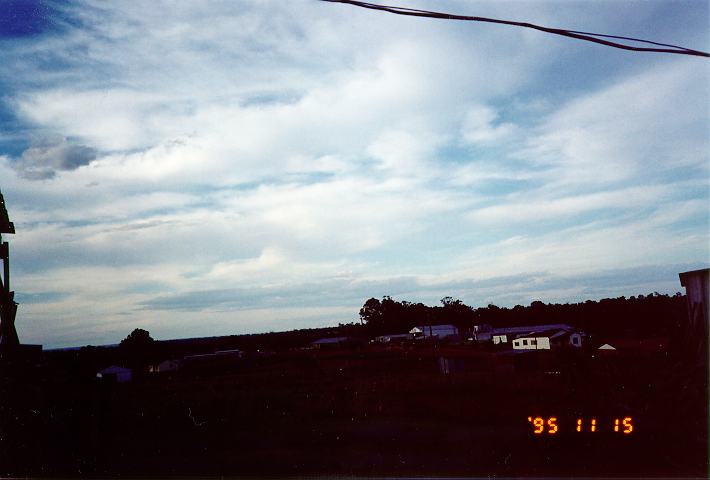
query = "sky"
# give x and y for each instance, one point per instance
(201, 168)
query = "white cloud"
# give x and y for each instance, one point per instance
(530, 207)
(594, 246)
(480, 127)
(650, 122)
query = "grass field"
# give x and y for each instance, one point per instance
(371, 411)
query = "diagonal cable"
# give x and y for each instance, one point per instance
(586, 36)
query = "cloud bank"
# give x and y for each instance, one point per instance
(211, 168)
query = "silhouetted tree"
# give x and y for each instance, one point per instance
(138, 348)
(371, 313)
(457, 313)
(137, 338)
(648, 315)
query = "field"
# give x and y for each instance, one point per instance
(365, 411)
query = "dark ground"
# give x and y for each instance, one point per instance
(367, 411)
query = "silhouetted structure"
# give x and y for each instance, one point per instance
(10, 348)
(8, 307)
(695, 331)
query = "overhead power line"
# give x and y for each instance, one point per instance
(586, 36)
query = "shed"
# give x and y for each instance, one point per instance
(115, 374)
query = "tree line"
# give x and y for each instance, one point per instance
(643, 315)
(639, 316)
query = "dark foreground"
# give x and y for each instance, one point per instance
(363, 412)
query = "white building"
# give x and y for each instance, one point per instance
(531, 343)
(549, 338)
(557, 334)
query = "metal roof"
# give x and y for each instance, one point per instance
(322, 341)
(114, 369)
(395, 335)
(440, 331)
(531, 329)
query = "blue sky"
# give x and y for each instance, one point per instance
(210, 168)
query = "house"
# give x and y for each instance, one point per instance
(438, 332)
(115, 374)
(506, 334)
(558, 334)
(543, 337)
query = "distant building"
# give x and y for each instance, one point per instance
(541, 337)
(235, 353)
(223, 359)
(166, 366)
(332, 342)
(483, 333)
(531, 343)
(115, 374)
(438, 332)
(398, 337)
